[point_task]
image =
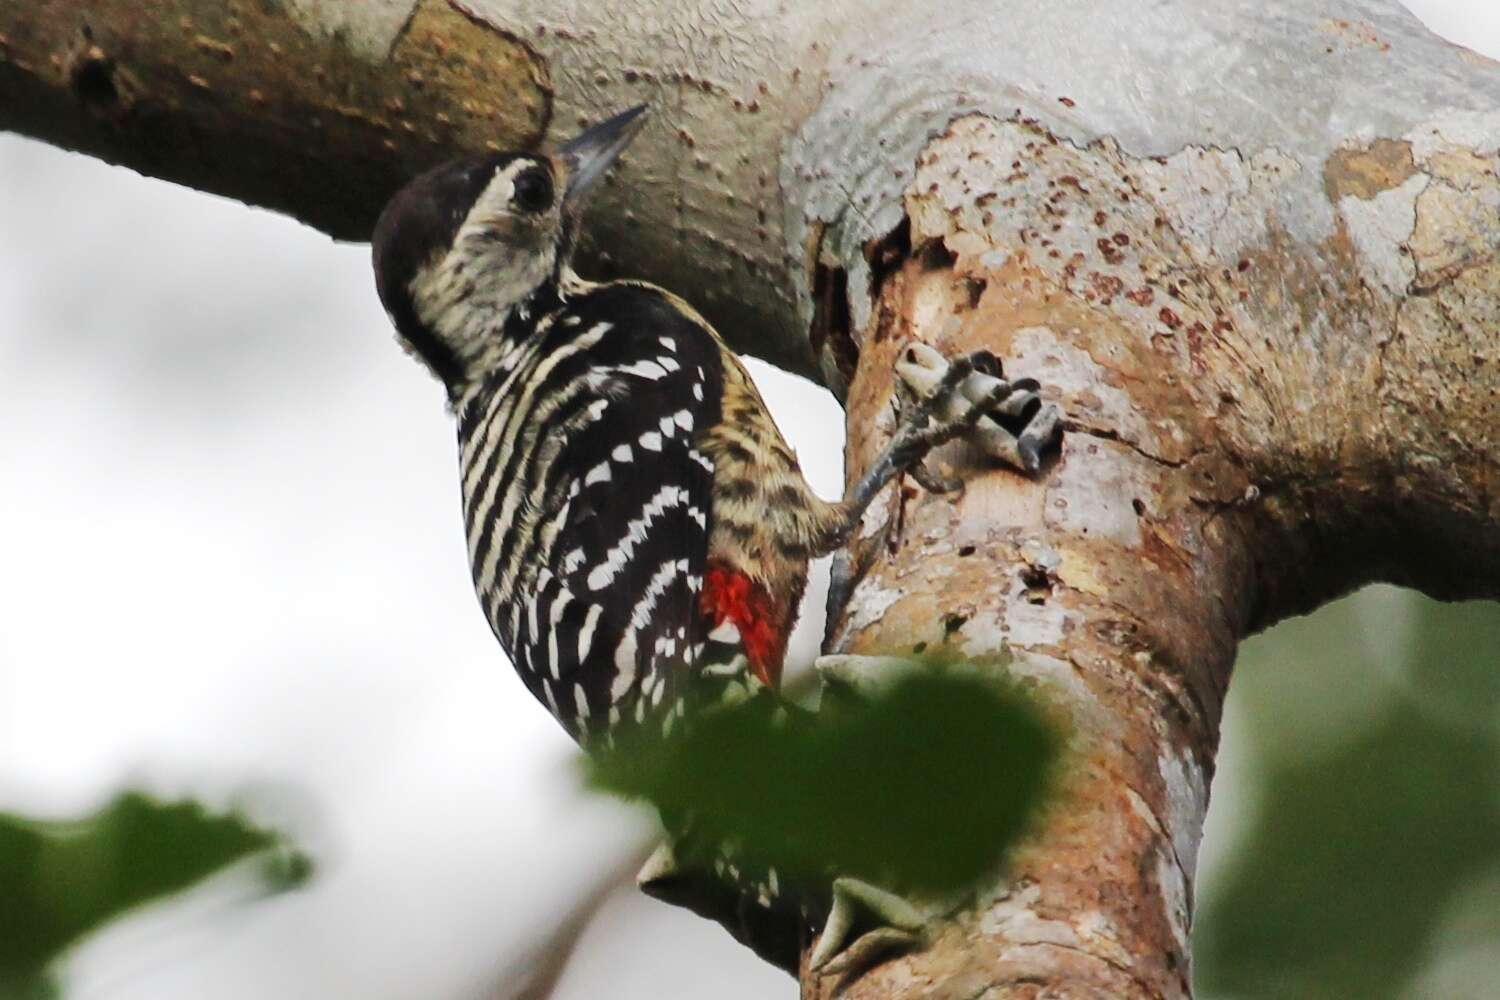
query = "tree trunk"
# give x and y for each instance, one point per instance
(1251, 250)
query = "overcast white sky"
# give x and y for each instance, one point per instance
(233, 568)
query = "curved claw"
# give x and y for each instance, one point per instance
(868, 949)
(1007, 420)
(1042, 432)
(986, 363)
(901, 924)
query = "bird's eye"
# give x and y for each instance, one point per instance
(533, 191)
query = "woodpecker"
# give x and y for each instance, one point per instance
(634, 517)
(636, 523)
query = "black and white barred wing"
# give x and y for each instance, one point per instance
(613, 630)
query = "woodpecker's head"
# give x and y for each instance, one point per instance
(464, 246)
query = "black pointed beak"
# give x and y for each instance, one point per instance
(589, 155)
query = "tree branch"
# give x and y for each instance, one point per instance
(301, 106)
(1259, 422)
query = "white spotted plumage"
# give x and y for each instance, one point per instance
(589, 503)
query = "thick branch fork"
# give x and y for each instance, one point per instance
(1200, 494)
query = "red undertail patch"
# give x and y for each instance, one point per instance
(729, 595)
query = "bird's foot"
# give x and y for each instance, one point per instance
(966, 396)
(894, 924)
(887, 923)
(969, 396)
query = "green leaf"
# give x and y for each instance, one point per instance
(922, 788)
(61, 880)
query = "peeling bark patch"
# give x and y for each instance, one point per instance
(1015, 918)
(1037, 626)
(1187, 802)
(868, 604)
(1446, 339)
(1176, 901)
(1144, 253)
(1061, 684)
(1365, 173)
(1092, 397)
(1457, 217)
(1381, 227)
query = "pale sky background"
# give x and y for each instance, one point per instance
(232, 567)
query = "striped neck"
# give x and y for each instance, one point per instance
(500, 341)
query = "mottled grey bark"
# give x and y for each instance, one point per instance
(1251, 248)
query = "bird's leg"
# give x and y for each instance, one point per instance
(963, 397)
(919, 434)
(939, 417)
